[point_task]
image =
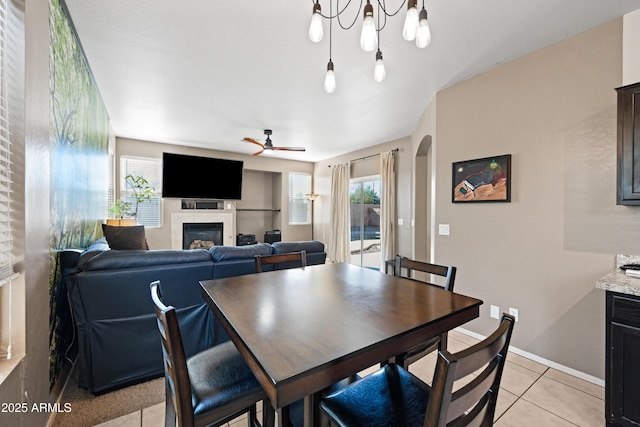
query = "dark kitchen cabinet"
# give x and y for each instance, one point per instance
(628, 190)
(622, 383)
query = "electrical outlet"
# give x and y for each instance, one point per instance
(495, 312)
(514, 313)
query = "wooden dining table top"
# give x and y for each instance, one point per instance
(303, 329)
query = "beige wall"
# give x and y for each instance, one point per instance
(424, 148)
(264, 186)
(554, 111)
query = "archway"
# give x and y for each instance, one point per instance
(423, 193)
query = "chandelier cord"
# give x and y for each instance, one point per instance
(379, 28)
(381, 6)
(330, 26)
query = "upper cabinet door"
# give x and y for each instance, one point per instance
(629, 145)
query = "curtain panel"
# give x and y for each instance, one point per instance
(340, 214)
(387, 208)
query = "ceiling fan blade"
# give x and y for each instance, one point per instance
(268, 145)
(253, 141)
(289, 148)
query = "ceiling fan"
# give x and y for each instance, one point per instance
(268, 145)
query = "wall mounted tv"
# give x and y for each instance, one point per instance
(197, 177)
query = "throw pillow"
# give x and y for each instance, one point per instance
(122, 238)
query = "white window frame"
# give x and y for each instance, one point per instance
(298, 198)
(12, 294)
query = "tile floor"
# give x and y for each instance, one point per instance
(531, 395)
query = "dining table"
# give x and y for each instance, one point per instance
(301, 330)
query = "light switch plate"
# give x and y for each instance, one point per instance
(443, 229)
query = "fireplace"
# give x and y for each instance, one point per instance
(201, 235)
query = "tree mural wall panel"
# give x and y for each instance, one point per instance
(79, 167)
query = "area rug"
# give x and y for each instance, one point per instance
(88, 410)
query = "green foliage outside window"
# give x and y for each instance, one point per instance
(370, 197)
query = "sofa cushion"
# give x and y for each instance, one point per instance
(124, 238)
(310, 246)
(94, 249)
(228, 253)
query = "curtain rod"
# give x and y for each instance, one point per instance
(395, 150)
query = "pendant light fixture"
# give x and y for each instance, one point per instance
(416, 28)
(315, 29)
(379, 72)
(423, 35)
(330, 78)
(411, 21)
(368, 38)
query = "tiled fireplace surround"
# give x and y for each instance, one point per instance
(227, 219)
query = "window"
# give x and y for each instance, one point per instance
(299, 187)
(149, 213)
(364, 198)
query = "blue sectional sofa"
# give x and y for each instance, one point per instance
(117, 337)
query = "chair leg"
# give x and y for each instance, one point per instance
(400, 361)
(252, 417)
(283, 417)
(268, 414)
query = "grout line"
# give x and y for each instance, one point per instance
(573, 387)
(532, 384)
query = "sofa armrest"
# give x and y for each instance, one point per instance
(69, 258)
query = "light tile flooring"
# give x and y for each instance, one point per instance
(531, 395)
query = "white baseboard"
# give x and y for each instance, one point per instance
(542, 360)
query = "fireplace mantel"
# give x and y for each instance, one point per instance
(227, 218)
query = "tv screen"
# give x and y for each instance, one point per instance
(201, 177)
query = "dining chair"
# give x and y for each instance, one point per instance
(392, 396)
(449, 277)
(297, 259)
(211, 387)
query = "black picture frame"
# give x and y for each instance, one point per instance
(485, 180)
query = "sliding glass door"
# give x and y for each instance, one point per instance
(364, 195)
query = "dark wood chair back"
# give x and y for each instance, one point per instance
(175, 363)
(300, 258)
(448, 273)
(473, 404)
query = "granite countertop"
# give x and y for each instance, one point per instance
(618, 281)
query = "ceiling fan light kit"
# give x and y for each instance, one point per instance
(416, 27)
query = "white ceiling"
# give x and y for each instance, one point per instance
(207, 73)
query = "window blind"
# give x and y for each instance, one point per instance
(299, 185)
(6, 241)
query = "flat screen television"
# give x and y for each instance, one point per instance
(196, 177)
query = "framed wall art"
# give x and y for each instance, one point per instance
(482, 180)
